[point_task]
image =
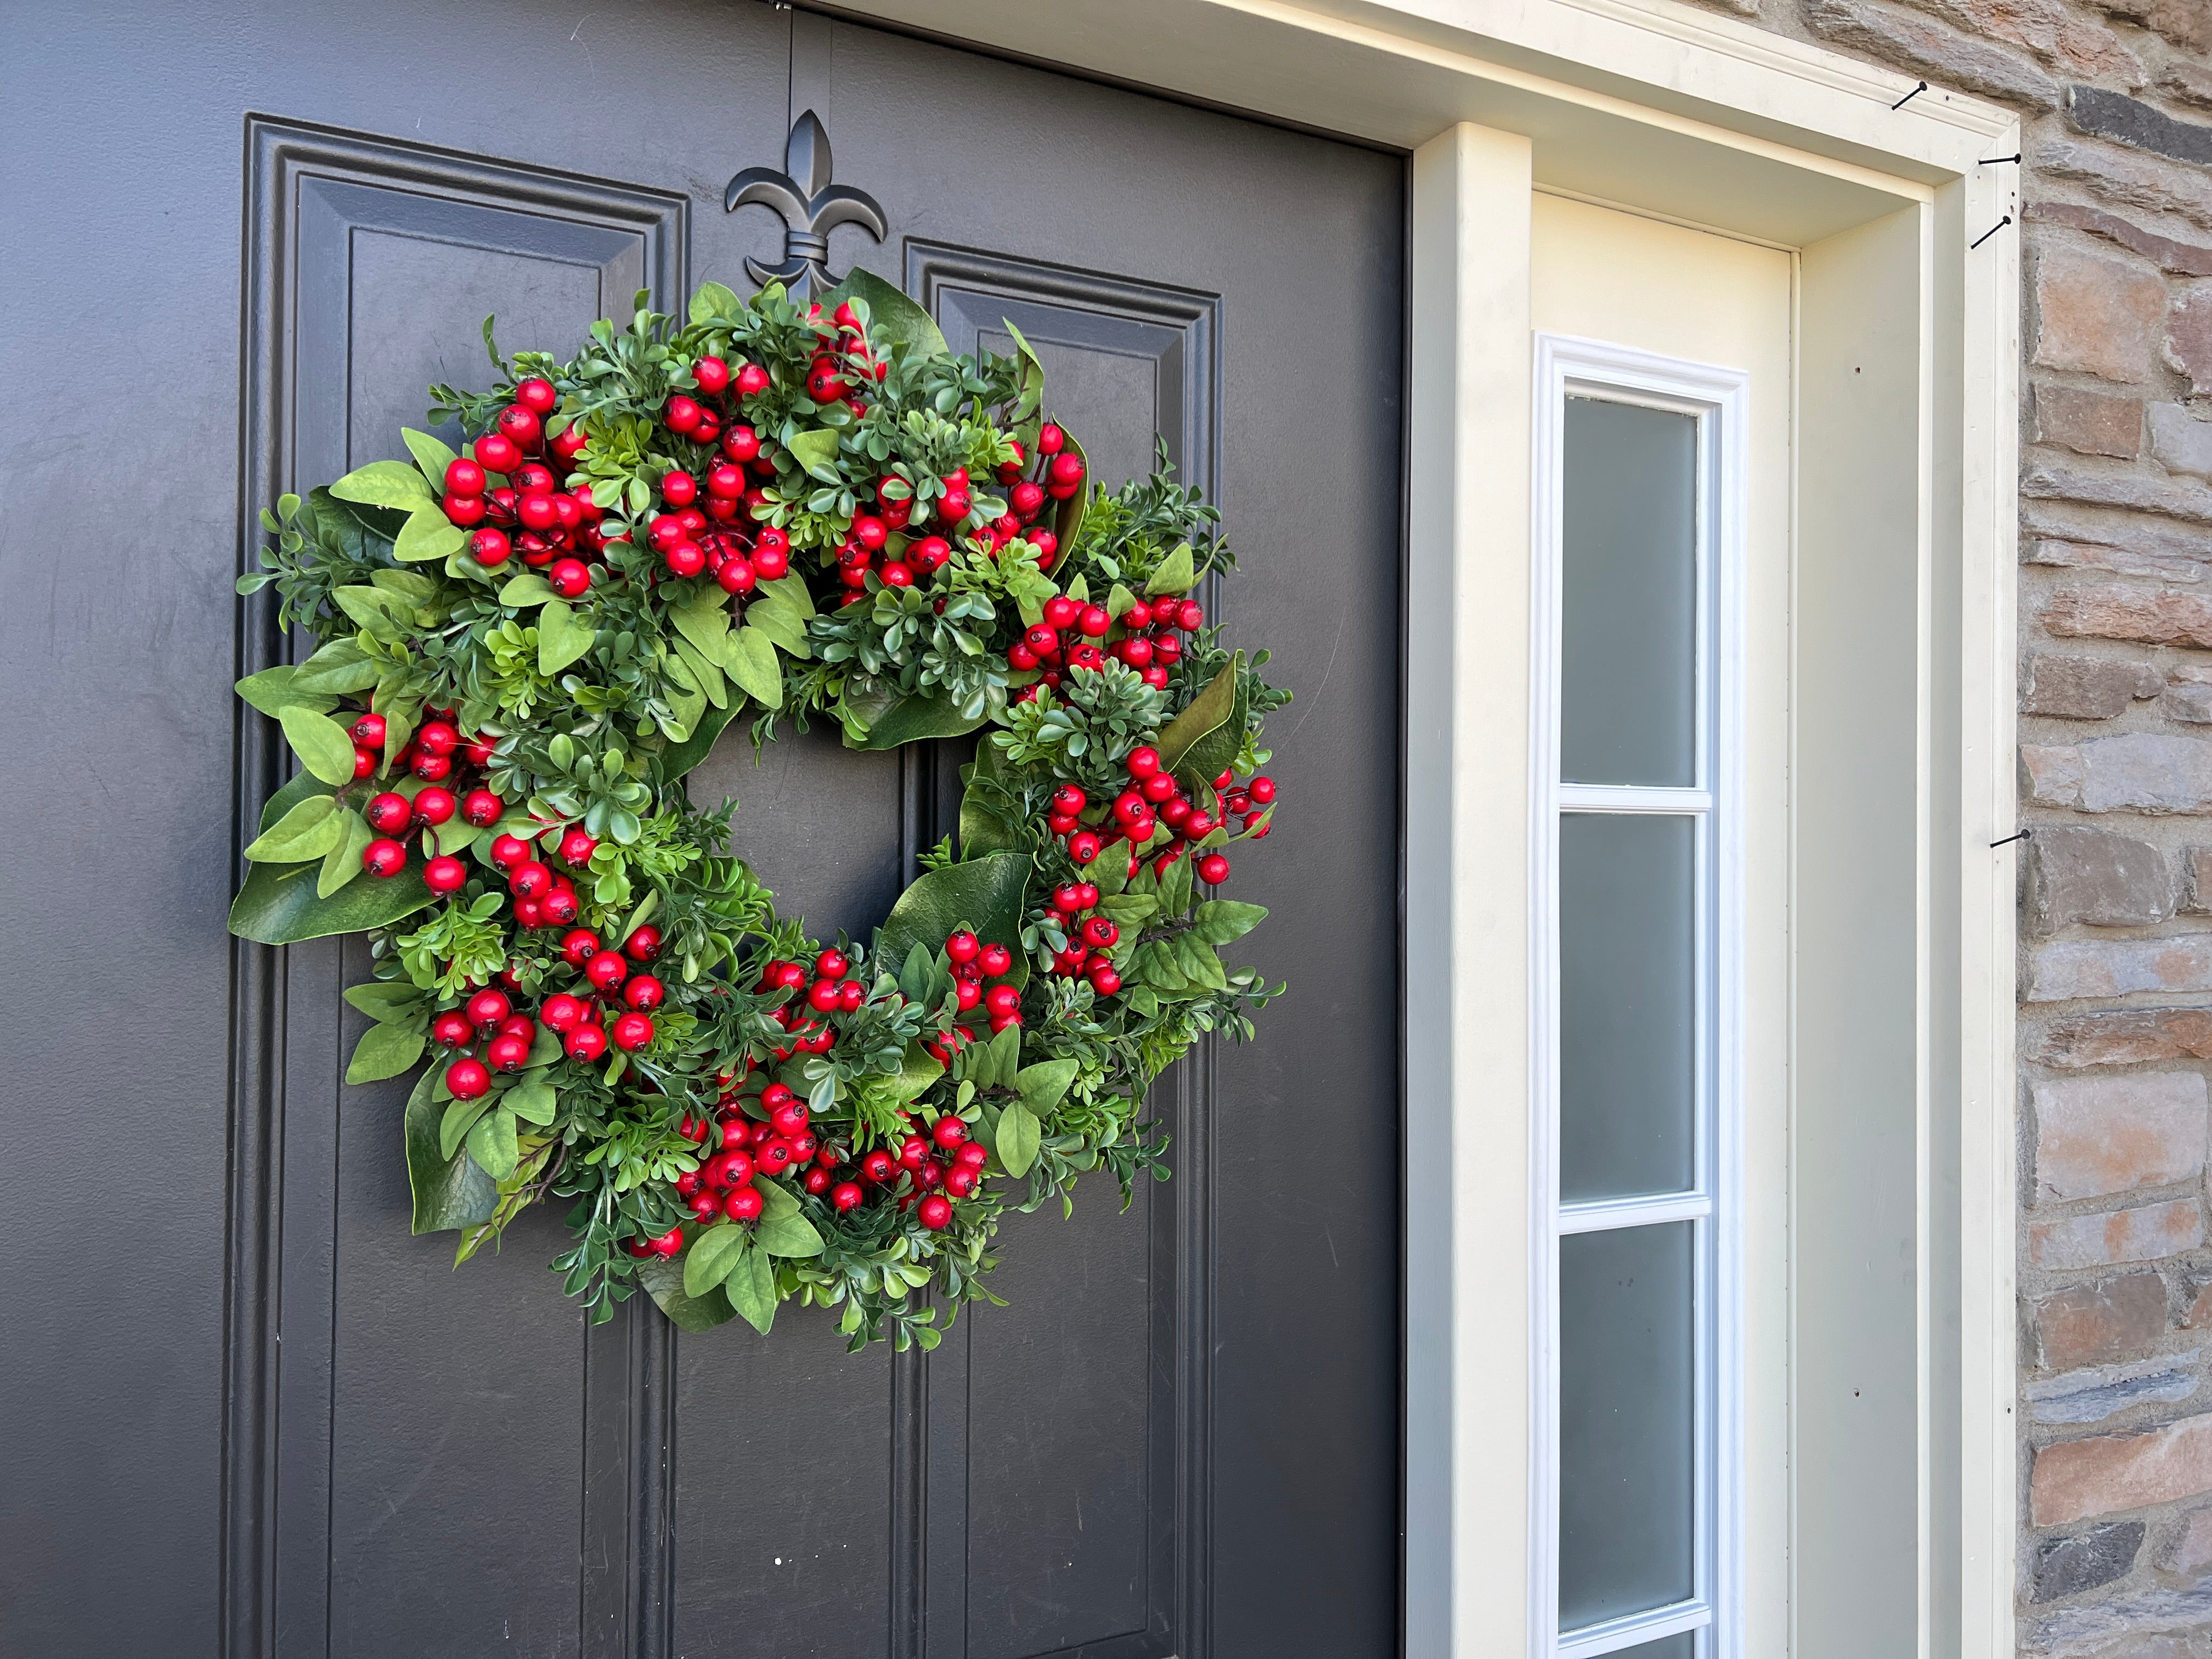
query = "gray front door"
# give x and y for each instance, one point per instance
(249, 1413)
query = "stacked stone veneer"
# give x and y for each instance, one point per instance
(2116, 778)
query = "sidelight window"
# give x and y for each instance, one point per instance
(1638, 526)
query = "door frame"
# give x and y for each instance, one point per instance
(1659, 108)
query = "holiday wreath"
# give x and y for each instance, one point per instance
(790, 511)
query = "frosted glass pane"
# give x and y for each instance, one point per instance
(1626, 1004)
(1628, 706)
(1626, 1471)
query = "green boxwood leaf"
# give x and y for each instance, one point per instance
(663, 1278)
(272, 692)
(716, 1250)
(712, 299)
(750, 658)
(323, 746)
(562, 637)
(430, 454)
(383, 1051)
(492, 1144)
(449, 1190)
(305, 832)
(988, 894)
(383, 483)
(427, 535)
(1176, 572)
(1018, 1138)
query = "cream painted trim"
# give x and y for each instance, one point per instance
(1660, 107)
(1466, 936)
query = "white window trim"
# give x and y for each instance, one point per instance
(1719, 399)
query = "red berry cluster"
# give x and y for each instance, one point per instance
(444, 761)
(490, 1036)
(530, 514)
(1073, 634)
(829, 991)
(611, 983)
(973, 962)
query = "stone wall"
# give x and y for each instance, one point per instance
(2115, 780)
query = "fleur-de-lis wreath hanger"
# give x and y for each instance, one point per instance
(811, 208)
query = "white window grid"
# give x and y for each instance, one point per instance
(1717, 397)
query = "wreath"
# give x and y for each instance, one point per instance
(809, 511)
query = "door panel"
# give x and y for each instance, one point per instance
(1181, 1435)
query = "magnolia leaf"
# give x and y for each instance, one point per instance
(1018, 1138)
(532, 1100)
(750, 1289)
(712, 299)
(430, 454)
(1068, 522)
(272, 692)
(890, 310)
(449, 1190)
(1217, 752)
(1042, 1086)
(342, 862)
(817, 451)
(278, 904)
(986, 894)
(663, 1278)
(1175, 574)
(324, 747)
(386, 1000)
(680, 757)
(750, 658)
(791, 1235)
(492, 1144)
(1217, 921)
(305, 832)
(713, 1254)
(383, 1051)
(913, 720)
(562, 637)
(524, 591)
(383, 483)
(1208, 711)
(984, 825)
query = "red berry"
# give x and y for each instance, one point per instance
(384, 858)
(1190, 616)
(586, 1043)
(1082, 846)
(752, 380)
(770, 563)
(1067, 470)
(389, 813)
(569, 578)
(537, 396)
(452, 1029)
(686, 558)
(363, 763)
(1001, 999)
(847, 1195)
(579, 947)
(879, 1166)
(567, 444)
(1213, 869)
(467, 1079)
(1068, 799)
(996, 960)
(488, 1008)
(562, 1013)
(963, 946)
(530, 880)
(712, 373)
(481, 808)
(745, 1204)
(644, 944)
(1100, 934)
(788, 1119)
(1043, 639)
(490, 546)
(509, 852)
(1050, 440)
(496, 452)
(1067, 900)
(682, 414)
(509, 1053)
(464, 510)
(669, 1242)
(737, 575)
(935, 1212)
(1143, 762)
(949, 1132)
(776, 1094)
(1262, 789)
(577, 847)
(831, 964)
(1104, 980)
(1094, 621)
(633, 1031)
(644, 992)
(368, 731)
(606, 970)
(445, 875)
(520, 426)
(679, 489)
(706, 1207)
